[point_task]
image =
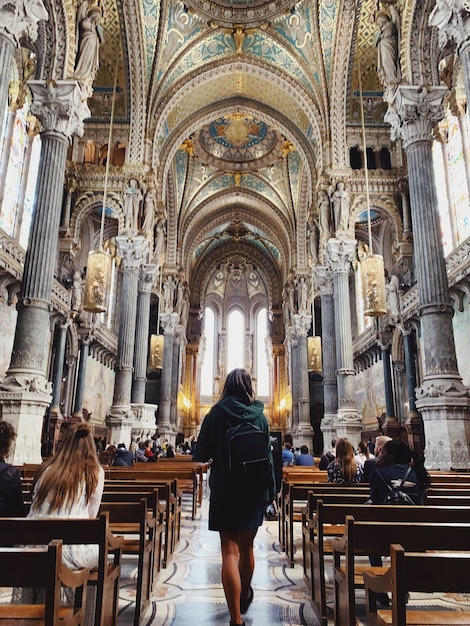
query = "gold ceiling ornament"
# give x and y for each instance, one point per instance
(371, 265)
(100, 263)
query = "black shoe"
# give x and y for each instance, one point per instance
(245, 602)
(234, 624)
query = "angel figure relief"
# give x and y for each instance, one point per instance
(341, 201)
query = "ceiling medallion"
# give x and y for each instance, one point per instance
(245, 12)
(239, 140)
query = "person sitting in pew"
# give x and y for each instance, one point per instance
(344, 468)
(304, 459)
(123, 457)
(70, 484)
(11, 494)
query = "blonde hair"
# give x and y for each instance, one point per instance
(60, 478)
(345, 459)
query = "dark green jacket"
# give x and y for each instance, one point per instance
(228, 412)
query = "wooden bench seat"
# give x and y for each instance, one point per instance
(138, 528)
(421, 572)
(366, 538)
(40, 531)
(42, 568)
(327, 521)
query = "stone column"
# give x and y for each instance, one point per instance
(413, 424)
(324, 281)
(387, 370)
(16, 22)
(120, 418)
(5, 157)
(175, 376)
(58, 369)
(147, 277)
(168, 322)
(33, 130)
(25, 392)
(85, 341)
(302, 428)
(442, 398)
(348, 421)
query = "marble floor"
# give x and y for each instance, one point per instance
(190, 593)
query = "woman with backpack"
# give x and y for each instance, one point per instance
(398, 464)
(237, 505)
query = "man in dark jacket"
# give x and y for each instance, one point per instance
(123, 458)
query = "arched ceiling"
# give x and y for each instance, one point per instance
(236, 100)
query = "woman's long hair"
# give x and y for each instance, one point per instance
(7, 436)
(63, 475)
(345, 459)
(238, 383)
(364, 449)
(397, 452)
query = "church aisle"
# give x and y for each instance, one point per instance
(190, 592)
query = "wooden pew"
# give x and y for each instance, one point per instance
(365, 538)
(40, 531)
(170, 500)
(422, 572)
(327, 521)
(138, 528)
(42, 568)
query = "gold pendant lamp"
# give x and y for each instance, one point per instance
(372, 265)
(314, 342)
(100, 263)
(157, 341)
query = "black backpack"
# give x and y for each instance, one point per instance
(247, 457)
(396, 493)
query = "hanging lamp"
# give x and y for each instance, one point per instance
(100, 263)
(314, 343)
(372, 265)
(157, 342)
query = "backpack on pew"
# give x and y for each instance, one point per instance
(247, 457)
(395, 492)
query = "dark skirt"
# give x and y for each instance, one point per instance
(234, 514)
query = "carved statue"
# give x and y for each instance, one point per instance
(150, 199)
(22, 17)
(132, 199)
(77, 291)
(159, 241)
(89, 40)
(393, 297)
(341, 203)
(312, 233)
(302, 294)
(324, 213)
(388, 63)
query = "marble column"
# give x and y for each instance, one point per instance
(387, 370)
(16, 22)
(85, 341)
(25, 392)
(169, 323)
(341, 253)
(302, 431)
(147, 277)
(58, 369)
(442, 398)
(324, 281)
(175, 377)
(5, 157)
(120, 418)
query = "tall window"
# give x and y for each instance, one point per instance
(262, 354)
(236, 340)
(207, 369)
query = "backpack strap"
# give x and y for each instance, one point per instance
(402, 482)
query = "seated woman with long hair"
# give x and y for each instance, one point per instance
(344, 469)
(70, 484)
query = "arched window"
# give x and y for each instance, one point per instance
(262, 353)
(207, 368)
(236, 340)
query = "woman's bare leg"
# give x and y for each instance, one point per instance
(237, 566)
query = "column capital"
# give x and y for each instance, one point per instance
(341, 253)
(324, 280)
(147, 276)
(60, 106)
(301, 324)
(19, 18)
(169, 322)
(414, 113)
(451, 17)
(131, 250)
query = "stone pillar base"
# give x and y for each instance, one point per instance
(447, 432)
(329, 430)
(348, 425)
(303, 436)
(24, 401)
(145, 423)
(119, 422)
